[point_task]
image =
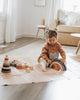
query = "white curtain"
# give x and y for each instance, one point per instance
(11, 18)
(55, 5)
(9, 23)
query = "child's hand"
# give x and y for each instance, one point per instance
(38, 60)
(49, 61)
(63, 60)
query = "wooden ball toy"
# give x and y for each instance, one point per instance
(31, 67)
(28, 70)
(19, 66)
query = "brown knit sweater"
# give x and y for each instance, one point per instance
(47, 49)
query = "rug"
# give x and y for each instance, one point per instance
(20, 76)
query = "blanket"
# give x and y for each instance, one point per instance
(21, 76)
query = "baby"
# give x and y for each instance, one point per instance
(50, 52)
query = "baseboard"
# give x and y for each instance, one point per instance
(28, 35)
(19, 36)
(32, 36)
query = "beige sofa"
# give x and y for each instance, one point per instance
(64, 31)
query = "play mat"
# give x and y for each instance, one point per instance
(21, 76)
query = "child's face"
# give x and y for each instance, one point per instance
(52, 40)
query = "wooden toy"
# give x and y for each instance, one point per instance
(20, 65)
(31, 67)
(14, 62)
(28, 70)
(6, 65)
(58, 65)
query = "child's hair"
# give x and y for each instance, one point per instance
(51, 33)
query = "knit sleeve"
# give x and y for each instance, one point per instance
(61, 51)
(44, 53)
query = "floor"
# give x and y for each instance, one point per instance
(54, 90)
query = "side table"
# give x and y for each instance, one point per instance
(77, 35)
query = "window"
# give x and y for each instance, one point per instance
(71, 5)
(1, 5)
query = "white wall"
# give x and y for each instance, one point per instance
(20, 26)
(30, 16)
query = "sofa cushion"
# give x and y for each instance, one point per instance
(73, 19)
(63, 15)
(69, 29)
(69, 18)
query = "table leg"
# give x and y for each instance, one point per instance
(78, 47)
(44, 33)
(37, 33)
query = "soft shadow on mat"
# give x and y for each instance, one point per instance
(75, 57)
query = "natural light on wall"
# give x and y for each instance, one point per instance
(1, 5)
(71, 5)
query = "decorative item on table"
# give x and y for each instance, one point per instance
(43, 21)
(6, 65)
